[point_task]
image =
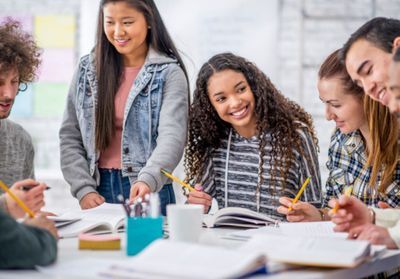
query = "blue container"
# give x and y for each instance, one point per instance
(140, 232)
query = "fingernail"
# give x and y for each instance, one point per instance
(198, 188)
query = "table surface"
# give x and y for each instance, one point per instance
(69, 252)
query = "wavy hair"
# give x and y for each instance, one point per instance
(19, 51)
(384, 131)
(274, 113)
(109, 65)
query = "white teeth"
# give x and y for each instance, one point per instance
(237, 113)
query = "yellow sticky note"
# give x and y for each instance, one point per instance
(55, 31)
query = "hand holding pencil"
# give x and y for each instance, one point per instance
(298, 211)
(32, 199)
(196, 194)
(347, 193)
(351, 213)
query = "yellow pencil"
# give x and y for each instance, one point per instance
(300, 192)
(347, 192)
(18, 201)
(176, 179)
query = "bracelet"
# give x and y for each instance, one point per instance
(372, 215)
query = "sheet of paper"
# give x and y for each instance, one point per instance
(315, 229)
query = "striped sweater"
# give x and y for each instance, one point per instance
(242, 175)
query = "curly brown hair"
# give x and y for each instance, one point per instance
(274, 113)
(18, 51)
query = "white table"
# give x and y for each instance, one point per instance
(68, 252)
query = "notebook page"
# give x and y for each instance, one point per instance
(309, 250)
(315, 229)
(189, 260)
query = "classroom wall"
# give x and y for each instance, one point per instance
(288, 39)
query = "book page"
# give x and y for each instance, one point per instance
(112, 213)
(238, 217)
(315, 229)
(333, 252)
(174, 259)
(106, 217)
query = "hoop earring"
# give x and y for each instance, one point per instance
(22, 87)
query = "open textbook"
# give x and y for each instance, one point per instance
(172, 259)
(237, 217)
(104, 218)
(311, 251)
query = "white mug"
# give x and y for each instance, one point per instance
(185, 222)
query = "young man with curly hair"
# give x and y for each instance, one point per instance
(19, 60)
(32, 243)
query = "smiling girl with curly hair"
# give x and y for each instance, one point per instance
(247, 144)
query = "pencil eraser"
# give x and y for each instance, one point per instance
(99, 242)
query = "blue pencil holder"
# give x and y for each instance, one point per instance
(140, 232)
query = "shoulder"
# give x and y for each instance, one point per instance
(339, 139)
(86, 64)
(156, 61)
(304, 131)
(16, 131)
(85, 60)
(173, 72)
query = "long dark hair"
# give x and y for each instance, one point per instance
(273, 111)
(109, 64)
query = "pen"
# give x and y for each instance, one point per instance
(27, 188)
(176, 179)
(17, 200)
(124, 205)
(300, 192)
(347, 193)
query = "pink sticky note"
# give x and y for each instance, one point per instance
(57, 65)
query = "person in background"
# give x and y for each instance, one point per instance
(248, 144)
(19, 60)
(34, 242)
(394, 83)
(367, 55)
(127, 109)
(378, 226)
(374, 177)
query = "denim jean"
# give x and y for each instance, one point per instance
(112, 184)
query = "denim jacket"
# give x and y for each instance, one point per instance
(154, 127)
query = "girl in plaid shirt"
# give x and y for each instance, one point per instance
(359, 147)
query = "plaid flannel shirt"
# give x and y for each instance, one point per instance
(347, 158)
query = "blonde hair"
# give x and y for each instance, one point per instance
(383, 155)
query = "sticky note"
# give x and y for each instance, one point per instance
(55, 31)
